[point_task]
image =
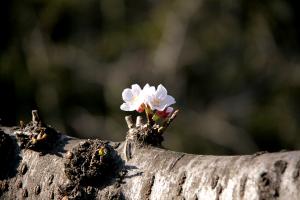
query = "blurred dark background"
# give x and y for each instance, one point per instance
(233, 67)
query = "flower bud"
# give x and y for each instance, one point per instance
(165, 113)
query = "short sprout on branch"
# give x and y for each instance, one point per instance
(154, 102)
(36, 135)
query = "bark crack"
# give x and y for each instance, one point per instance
(181, 182)
(147, 188)
(259, 154)
(214, 181)
(296, 172)
(176, 161)
(219, 190)
(243, 183)
(269, 182)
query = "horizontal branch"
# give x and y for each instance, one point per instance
(94, 169)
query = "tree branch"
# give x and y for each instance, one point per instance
(78, 169)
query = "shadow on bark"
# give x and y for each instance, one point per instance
(10, 156)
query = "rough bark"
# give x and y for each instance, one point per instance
(149, 173)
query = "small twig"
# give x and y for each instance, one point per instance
(35, 116)
(139, 121)
(22, 125)
(129, 121)
(168, 122)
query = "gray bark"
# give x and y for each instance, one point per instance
(152, 173)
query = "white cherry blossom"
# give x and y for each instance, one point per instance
(157, 99)
(154, 102)
(132, 97)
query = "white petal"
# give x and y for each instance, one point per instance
(124, 107)
(149, 89)
(161, 92)
(137, 102)
(136, 89)
(160, 107)
(127, 95)
(147, 99)
(169, 100)
(147, 93)
(169, 109)
(146, 86)
(150, 101)
(127, 107)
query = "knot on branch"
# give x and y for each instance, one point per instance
(143, 134)
(91, 163)
(36, 135)
(147, 133)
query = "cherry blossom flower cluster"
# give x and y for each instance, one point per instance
(154, 101)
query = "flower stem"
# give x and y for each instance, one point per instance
(149, 115)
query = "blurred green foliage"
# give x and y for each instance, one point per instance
(233, 67)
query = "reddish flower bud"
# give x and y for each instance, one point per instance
(165, 113)
(141, 108)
